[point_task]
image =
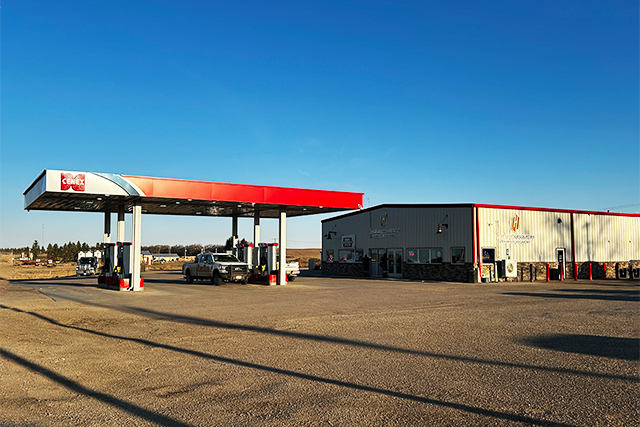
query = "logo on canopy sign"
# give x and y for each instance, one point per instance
(68, 181)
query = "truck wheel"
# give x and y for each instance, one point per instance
(245, 281)
(291, 278)
(188, 277)
(216, 279)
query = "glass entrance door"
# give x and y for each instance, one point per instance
(376, 254)
(395, 262)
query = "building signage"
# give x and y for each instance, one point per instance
(488, 256)
(68, 181)
(515, 238)
(348, 241)
(383, 219)
(383, 233)
(518, 239)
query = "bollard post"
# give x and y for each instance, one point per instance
(590, 271)
(547, 272)
(604, 270)
(531, 272)
(575, 271)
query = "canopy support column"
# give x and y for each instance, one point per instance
(135, 246)
(107, 227)
(234, 235)
(282, 222)
(120, 223)
(256, 237)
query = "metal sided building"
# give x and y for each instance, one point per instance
(475, 242)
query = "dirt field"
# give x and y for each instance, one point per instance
(319, 352)
(8, 271)
(303, 255)
(17, 272)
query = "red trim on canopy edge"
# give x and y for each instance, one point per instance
(244, 193)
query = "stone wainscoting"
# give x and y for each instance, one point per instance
(441, 272)
(597, 270)
(465, 272)
(351, 269)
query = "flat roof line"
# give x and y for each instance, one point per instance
(479, 205)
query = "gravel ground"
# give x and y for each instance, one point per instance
(319, 352)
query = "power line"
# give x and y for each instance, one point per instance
(620, 207)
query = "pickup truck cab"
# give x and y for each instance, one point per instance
(217, 268)
(87, 266)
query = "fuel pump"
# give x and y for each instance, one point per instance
(267, 258)
(266, 264)
(123, 268)
(107, 278)
(116, 272)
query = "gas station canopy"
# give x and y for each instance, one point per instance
(57, 190)
(104, 192)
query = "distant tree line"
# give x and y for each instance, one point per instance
(191, 250)
(69, 251)
(65, 253)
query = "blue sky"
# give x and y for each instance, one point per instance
(517, 103)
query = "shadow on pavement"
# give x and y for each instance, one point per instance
(190, 320)
(589, 294)
(593, 345)
(163, 420)
(74, 386)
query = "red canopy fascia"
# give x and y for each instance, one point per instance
(244, 193)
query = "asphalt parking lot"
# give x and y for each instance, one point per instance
(319, 352)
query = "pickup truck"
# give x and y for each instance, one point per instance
(216, 267)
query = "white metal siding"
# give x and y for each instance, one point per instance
(604, 238)
(405, 227)
(537, 236)
(598, 237)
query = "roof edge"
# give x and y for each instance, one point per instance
(481, 205)
(34, 182)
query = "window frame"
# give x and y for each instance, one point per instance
(329, 252)
(464, 254)
(350, 255)
(430, 257)
(491, 248)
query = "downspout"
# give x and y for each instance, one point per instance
(573, 250)
(478, 245)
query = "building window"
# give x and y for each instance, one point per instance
(424, 256)
(329, 255)
(457, 255)
(488, 255)
(345, 256)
